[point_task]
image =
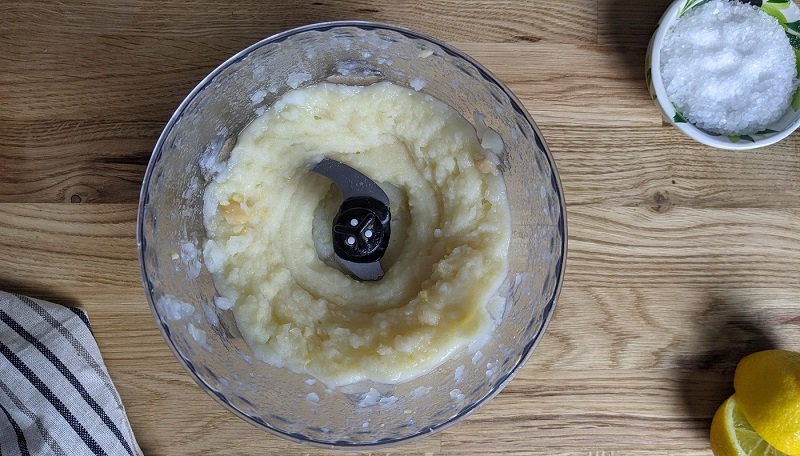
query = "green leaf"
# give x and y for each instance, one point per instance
(797, 60)
(774, 11)
(794, 40)
(780, 4)
(735, 138)
(796, 100)
(678, 118)
(683, 8)
(764, 132)
(793, 26)
(689, 5)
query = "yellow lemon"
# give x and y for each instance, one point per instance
(767, 388)
(731, 434)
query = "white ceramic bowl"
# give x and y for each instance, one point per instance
(787, 13)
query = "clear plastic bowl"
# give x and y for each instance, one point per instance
(181, 292)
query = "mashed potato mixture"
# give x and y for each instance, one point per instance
(268, 222)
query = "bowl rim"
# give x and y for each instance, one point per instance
(526, 352)
(668, 109)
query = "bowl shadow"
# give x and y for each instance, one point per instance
(706, 374)
(37, 291)
(627, 26)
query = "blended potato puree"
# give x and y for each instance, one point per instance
(268, 221)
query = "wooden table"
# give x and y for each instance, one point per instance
(682, 259)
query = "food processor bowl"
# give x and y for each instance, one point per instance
(204, 337)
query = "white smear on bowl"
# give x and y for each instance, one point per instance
(223, 303)
(313, 398)
(199, 336)
(209, 164)
(457, 395)
(290, 99)
(369, 398)
(295, 79)
(421, 391)
(497, 308)
(189, 257)
(491, 369)
(175, 309)
(209, 161)
(373, 397)
(417, 84)
(479, 342)
(192, 188)
(458, 374)
(491, 141)
(310, 381)
(258, 97)
(211, 316)
(476, 357)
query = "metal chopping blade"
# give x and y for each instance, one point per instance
(360, 230)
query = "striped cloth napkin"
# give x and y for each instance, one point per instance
(56, 397)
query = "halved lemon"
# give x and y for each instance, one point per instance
(767, 386)
(732, 435)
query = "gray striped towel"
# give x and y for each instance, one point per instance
(55, 394)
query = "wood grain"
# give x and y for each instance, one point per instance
(704, 247)
(607, 246)
(655, 168)
(104, 163)
(682, 259)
